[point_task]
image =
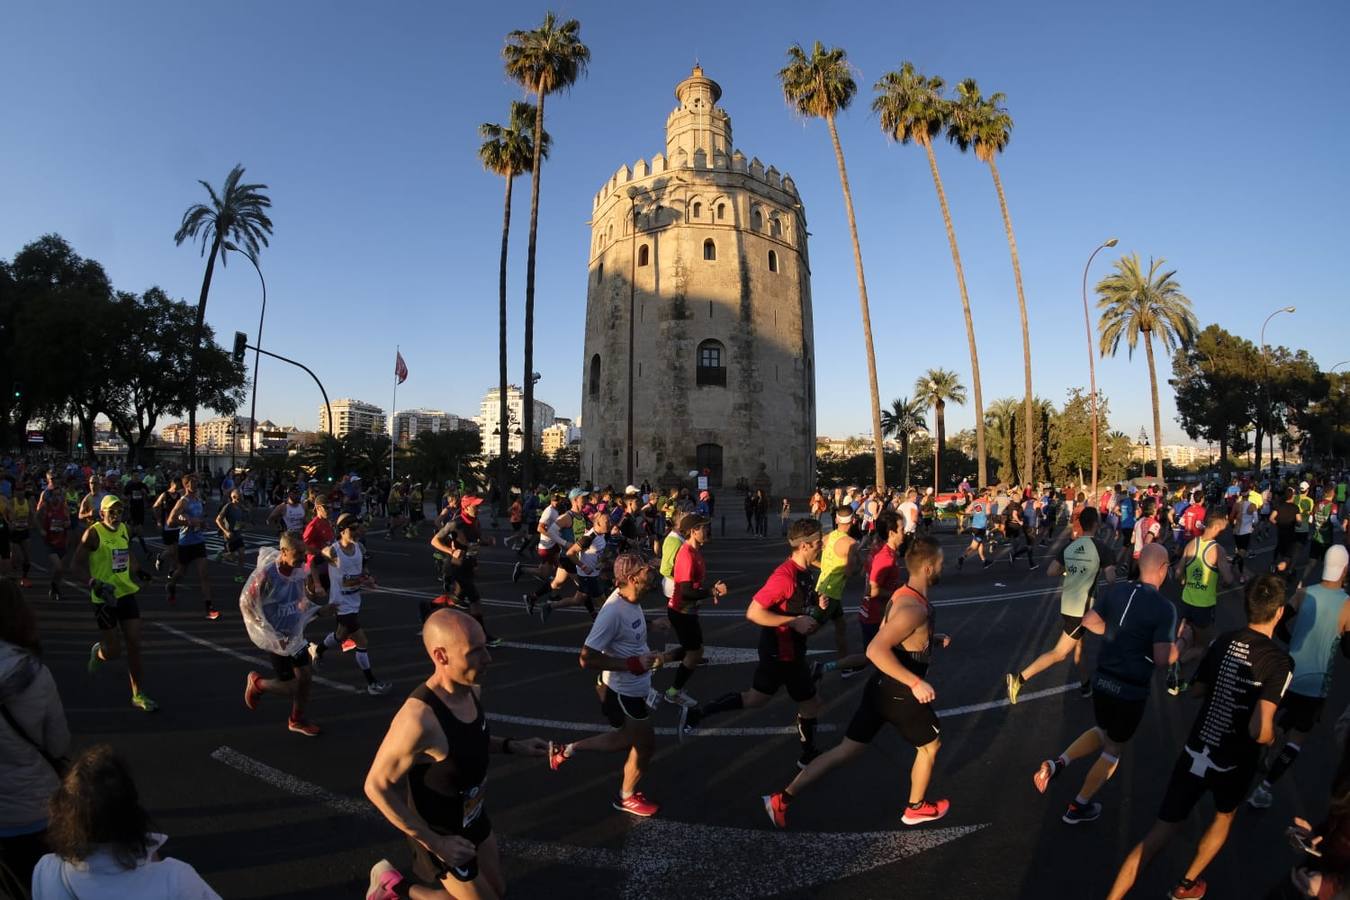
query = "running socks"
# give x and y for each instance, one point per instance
(363, 660)
(725, 703)
(1288, 755)
(682, 676)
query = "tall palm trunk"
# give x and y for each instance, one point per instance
(196, 347)
(1028, 464)
(503, 421)
(965, 306)
(527, 412)
(1157, 416)
(940, 439)
(874, 393)
(904, 453)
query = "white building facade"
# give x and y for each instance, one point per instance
(407, 424)
(489, 414)
(353, 415)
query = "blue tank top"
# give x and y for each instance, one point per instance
(1314, 639)
(187, 534)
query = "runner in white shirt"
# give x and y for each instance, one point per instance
(617, 648)
(587, 556)
(909, 514)
(555, 536)
(347, 575)
(1244, 522)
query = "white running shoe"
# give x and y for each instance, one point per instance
(378, 688)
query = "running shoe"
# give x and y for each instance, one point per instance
(300, 726)
(53, 594)
(378, 688)
(689, 719)
(1014, 683)
(1076, 815)
(1045, 774)
(159, 565)
(212, 613)
(348, 645)
(1194, 890)
(1261, 797)
(988, 563)
(776, 808)
(384, 881)
(1033, 566)
(24, 582)
(927, 811)
(637, 805)
(528, 600)
(143, 703)
(515, 572)
(557, 755)
(1085, 689)
(95, 661)
(653, 698)
(851, 671)
(493, 641)
(808, 754)
(679, 698)
(315, 654)
(252, 690)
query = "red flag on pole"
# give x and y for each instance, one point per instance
(400, 368)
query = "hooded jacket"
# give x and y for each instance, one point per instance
(28, 691)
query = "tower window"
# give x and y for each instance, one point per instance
(698, 209)
(721, 210)
(773, 261)
(757, 220)
(643, 255)
(600, 271)
(711, 364)
(709, 249)
(593, 385)
(775, 227)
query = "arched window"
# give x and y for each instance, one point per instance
(609, 232)
(721, 210)
(593, 382)
(708, 458)
(756, 220)
(698, 209)
(775, 227)
(773, 261)
(709, 249)
(712, 366)
(643, 255)
(600, 270)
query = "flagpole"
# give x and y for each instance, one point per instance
(393, 417)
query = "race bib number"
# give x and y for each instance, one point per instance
(473, 804)
(121, 559)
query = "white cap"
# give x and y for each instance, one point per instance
(630, 490)
(1333, 564)
(1303, 485)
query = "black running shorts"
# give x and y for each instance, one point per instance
(1199, 616)
(347, 624)
(1184, 789)
(1299, 712)
(1118, 719)
(169, 536)
(688, 629)
(771, 674)
(620, 709)
(190, 553)
(886, 700)
(1073, 626)
(285, 666)
(432, 869)
(109, 616)
(834, 612)
(1242, 541)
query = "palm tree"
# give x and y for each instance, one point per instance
(984, 125)
(820, 86)
(902, 420)
(936, 388)
(912, 108)
(546, 60)
(1135, 304)
(238, 216)
(507, 150)
(1001, 417)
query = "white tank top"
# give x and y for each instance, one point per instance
(294, 516)
(348, 601)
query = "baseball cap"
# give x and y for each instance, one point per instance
(703, 495)
(690, 521)
(348, 520)
(1333, 564)
(630, 490)
(109, 502)
(1133, 489)
(1303, 485)
(469, 500)
(574, 493)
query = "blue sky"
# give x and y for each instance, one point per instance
(1206, 133)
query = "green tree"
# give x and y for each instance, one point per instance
(438, 456)
(237, 215)
(937, 388)
(508, 151)
(1143, 305)
(911, 108)
(1296, 386)
(544, 61)
(902, 421)
(1002, 431)
(820, 86)
(984, 125)
(1217, 394)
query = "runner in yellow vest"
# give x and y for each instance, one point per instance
(105, 554)
(1200, 568)
(838, 560)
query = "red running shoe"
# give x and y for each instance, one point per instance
(1196, 890)
(24, 582)
(637, 804)
(929, 811)
(252, 690)
(1045, 774)
(556, 756)
(308, 729)
(777, 809)
(212, 613)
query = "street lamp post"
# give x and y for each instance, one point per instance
(1265, 383)
(257, 353)
(1092, 363)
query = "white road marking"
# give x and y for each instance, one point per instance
(995, 704)
(256, 660)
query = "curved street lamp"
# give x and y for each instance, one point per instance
(1265, 382)
(257, 353)
(1092, 363)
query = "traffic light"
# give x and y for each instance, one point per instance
(18, 391)
(240, 342)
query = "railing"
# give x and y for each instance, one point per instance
(710, 375)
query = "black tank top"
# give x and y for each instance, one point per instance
(916, 661)
(449, 794)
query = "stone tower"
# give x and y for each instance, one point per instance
(699, 349)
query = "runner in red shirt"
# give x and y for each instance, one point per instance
(883, 577)
(682, 607)
(1193, 519)
(318, 534)
(781, 609)
(54, 521)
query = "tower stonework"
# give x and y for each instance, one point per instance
(699, 348)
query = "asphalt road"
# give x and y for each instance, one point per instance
(263, 813)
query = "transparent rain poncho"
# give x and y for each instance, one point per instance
(274, 606)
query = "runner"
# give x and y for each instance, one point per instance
(136, 493)
(54, 522)
(1019, 533)
(459, 539)
(1201, 567)
(1321, 619)
(276, 603)
(840, 557)
(781, 608)
(439, 742)
(670, 548)
(1139, 628)
(317, 536)
(21, 519)
(230, 522)
(104, 554)
(555, 536)
(188, 516)
(587, 556)
(883, 577)
(1305, 504)
(682, 607)
(347, 575)
(617, 648)
(897, 694)
(289, 515)
(1242, 679)
(167, 561)
(1325, 517)
(1080, 561)
(1147, 530)
(977, 513)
